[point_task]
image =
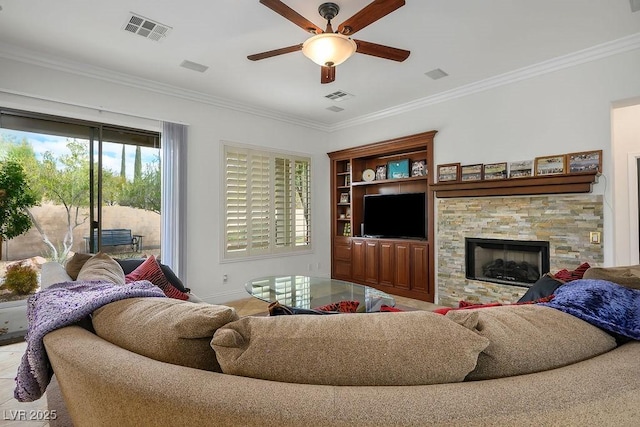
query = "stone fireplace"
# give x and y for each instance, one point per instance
(562, 220)
(508, 262)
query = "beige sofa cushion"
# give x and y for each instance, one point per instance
(102, 267)
(349, 349)
(628, 276)
(75, 264)
(531, 338)
(165, 329)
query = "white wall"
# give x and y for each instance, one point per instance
(34, 88)
(560, 112)
(626, 146)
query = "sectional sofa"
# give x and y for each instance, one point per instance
(160, 362)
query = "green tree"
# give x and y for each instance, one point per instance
(144, 193)
(137, 165)
(123, 164)
(64, 181)
(15, 198)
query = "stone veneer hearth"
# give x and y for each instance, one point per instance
(565, 221)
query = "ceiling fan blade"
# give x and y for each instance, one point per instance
(382, 51)
(368, 15)
(287, 13)
(276, 52)
(328, 74)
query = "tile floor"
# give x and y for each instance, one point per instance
(17, 414)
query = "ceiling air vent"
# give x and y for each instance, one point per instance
(436, 74)
(146, 27)
(339, 95)
(194, 66)
(335, 109)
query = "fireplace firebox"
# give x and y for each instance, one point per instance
(508, 262)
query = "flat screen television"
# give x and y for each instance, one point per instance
(402, 215)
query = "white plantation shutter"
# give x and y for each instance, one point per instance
(267, 202)
(236, 209)
(283, 203)
(302, 203)
(259, 202)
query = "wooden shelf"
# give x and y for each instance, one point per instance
(389, 181)
(556, 184)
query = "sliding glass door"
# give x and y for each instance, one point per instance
(97, 187)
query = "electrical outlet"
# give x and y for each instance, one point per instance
(225, 277)
(594, 237)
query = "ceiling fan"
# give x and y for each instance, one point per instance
(328, 48)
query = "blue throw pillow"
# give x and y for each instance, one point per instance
(607, 305)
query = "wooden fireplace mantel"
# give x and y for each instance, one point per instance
(556, 184)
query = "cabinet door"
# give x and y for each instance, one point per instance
(387, 264)
(342, 260)
(403, 265)
(420, 267)
(358, 272)
(371, 262)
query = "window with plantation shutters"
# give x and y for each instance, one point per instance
(267, 202)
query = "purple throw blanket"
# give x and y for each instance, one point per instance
(61, 305)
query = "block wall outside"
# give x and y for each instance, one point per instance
(565, 221)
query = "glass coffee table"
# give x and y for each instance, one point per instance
(312, 292)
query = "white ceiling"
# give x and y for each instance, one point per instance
(472, 40)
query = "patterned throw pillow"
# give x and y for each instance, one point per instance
(568, 276)
(340, 307)
(150, 270)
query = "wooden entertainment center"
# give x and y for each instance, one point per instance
(403, 267)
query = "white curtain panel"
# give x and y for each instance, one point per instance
(174, 197)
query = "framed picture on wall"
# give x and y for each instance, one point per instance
(495, 170)
(521, 169)
(398, 169)
(419, 168)
(585, 161)
(471, 172)
(449, 172)
(551, 165)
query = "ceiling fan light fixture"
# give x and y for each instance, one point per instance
(329, 49)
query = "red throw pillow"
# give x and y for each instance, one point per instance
(567, 276)
(340, 307)
(150, 270)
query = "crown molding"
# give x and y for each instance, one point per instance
(82, 69)
(603, 50)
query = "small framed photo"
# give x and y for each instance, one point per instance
(449, 172)
(471, 172)
(495, 170)
(398, 169)
(344, 198)
(521, 169)
(381, 172)
(585, 161)
(419, 168)
(550, 165)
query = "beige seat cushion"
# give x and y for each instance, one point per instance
(164, 329)
(531, 338)
(75, 264)
(628, 276)
(102, 267)
(349, 349)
